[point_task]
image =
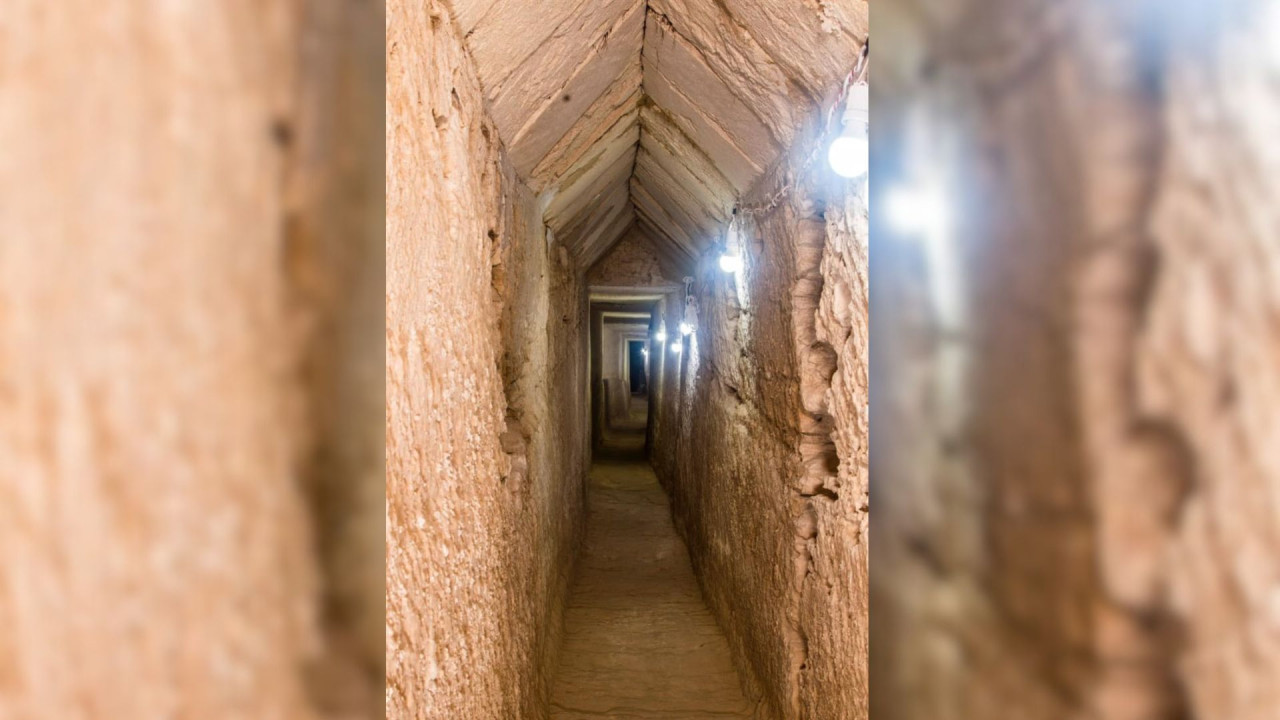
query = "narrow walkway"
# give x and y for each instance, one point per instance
(640, 642)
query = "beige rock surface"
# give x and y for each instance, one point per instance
(485, 404)
(760, 438)
(1208, 364)
(1110, 486)
(634, 262)
(166, 443)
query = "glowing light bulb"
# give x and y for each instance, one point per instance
(916, 210)
(730, 263)
(660, 335)
(686, 328)
(676, 347)
(850, 154)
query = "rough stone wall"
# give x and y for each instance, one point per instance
(760, 439)
(984, 517)
(834, 602)
(485, 420)
(632, 262)
(1207, 362)
(1107, 479)
(156, 340)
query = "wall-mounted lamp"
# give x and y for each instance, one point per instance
(849, 154)
(676, 347)
(918, 209)
(660, 335)
(730, 259)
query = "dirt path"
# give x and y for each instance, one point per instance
(640, 642)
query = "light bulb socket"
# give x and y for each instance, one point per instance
(857, 110)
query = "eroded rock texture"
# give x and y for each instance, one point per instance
(1208, 362)
(187, 382)
(1074, 474)
(633, 262)
(760, 438)
(485, 398)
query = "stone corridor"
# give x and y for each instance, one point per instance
(512, 360)
(626, 360)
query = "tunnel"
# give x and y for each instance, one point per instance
(627, 360)
(621, 434)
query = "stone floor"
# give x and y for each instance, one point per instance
(640, 642)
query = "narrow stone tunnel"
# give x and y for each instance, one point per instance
(626, 361)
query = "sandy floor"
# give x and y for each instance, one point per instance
(640, 642)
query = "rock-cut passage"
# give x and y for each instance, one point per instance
(639, 641)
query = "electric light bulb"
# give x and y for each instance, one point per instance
(730, 263)
(848, 155)
(916, 210)
(686, 328)
(675, 347)
(660, 335)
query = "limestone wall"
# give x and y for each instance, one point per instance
(166, 444)
(1207, 364)
(485, 398)
(633, 262)
(1071, 479)
(760, 439)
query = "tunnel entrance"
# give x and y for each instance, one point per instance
(620, 378)
(637, 357)
(628, 362)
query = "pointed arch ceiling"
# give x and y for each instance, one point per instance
(654, 115)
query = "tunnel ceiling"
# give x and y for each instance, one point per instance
(654, 114)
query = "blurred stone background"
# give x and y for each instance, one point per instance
(1075, 360)
(191, 343)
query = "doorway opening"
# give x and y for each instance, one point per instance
(637, 359)
(624, 373)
